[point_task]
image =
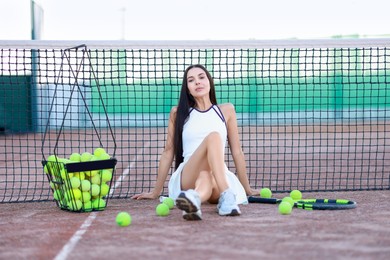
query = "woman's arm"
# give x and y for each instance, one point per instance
(165, 163)
(229, 113)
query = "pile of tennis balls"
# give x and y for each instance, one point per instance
(80, 191)
(287, 203)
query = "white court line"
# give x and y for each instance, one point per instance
(72, 242)
(68, 247)
(126, 172)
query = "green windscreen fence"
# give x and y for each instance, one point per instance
(15, 104)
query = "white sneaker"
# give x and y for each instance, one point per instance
(189, 201)
(227, 205)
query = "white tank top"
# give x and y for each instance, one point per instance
(200, 124)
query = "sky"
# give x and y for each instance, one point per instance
(196, 19)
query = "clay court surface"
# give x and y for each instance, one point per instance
(40, 230)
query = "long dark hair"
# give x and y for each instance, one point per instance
(186, 101)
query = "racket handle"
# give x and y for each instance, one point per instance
(253, 199)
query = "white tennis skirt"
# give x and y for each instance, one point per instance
(174, 185)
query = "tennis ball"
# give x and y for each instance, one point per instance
(68, 196)
(57, 195)
(169, 202)
(104, 156)
(87, 206)
(104, 189)
(76, 194)
(80, 175)
(98, 204)
(95, 190)
(85, 185)
(63, 202)
(64, 174)
(75, 182)
(53, 185)
(85, 196)
(162, 210)
(106, 175)
(123, 219)
(94, 158)
(75, 157)
(52, 158)
(265, 193)
(96, 179)
(85, 157)
(75, 205)
(296, 195)
(289, 200)
(285, 208)
(92, 173)
(99, 151)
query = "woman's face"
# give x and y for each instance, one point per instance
(197, 82)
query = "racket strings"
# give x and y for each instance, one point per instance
(311, 204)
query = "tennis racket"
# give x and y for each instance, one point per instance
(310, 204)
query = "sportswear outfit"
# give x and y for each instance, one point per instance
(199, 125)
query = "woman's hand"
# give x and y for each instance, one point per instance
(252, 192)
(145, 195)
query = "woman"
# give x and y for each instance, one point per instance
(197, 133)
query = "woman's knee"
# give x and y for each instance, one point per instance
(214, 138)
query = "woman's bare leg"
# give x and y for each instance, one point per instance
(207, 188)
(208, 157)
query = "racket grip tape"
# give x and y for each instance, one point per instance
(253, 199)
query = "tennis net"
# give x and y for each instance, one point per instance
(312, 115)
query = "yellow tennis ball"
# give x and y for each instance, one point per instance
(68, 195)
(85, 185)
(57, 195)
(76, 194)
(104, 156)
(92, 173)
(162, 210)
(94, 158)
(53, 185)
(285, 208)
(80, 175)
(296, 195)
(99, 151)
(87, 206)
(75, 157)
(75, 182)
(85, 157)
(289, 200)
(52, 158)
(169, 202)
(123, 219)
(75, 205)
(95, 190)
(98, 204)
(104, 189)
(85, 196)
(96, 179)
(106, 175)
(265, 193)
(65, 175)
